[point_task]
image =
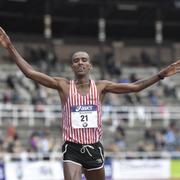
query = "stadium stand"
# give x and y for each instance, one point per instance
(141, 125)
(31, 108)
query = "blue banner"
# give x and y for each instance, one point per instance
(108, 169)
(2, 174)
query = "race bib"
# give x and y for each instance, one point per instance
(84, 116)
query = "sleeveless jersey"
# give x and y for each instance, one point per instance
(87, 134)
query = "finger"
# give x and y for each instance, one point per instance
(177, 66)
(2, 31)
(172, 66)
(177, 62)
(178, 71)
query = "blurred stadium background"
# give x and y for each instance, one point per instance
(127, 40)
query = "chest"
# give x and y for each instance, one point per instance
(83, 90)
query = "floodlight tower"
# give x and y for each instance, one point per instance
(102, 37)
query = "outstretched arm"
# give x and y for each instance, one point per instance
(26, 68)
(142, 84)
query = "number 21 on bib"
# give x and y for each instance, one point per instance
(84, 116)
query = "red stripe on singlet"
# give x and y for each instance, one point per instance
(81, 135)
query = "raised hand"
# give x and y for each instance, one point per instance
(171, 69)
(4, 39)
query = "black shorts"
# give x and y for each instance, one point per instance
(89, 156)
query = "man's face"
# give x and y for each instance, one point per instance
(81, 63)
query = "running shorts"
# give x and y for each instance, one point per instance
(89, 156)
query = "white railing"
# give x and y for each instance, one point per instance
(50, 113)
(14, 113)
(122, 155)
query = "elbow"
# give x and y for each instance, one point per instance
(137, 89)
(28, 74)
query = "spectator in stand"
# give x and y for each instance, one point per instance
(170, 137)
(145, 58)
(34, 141)
(1, 142)
(120, 137)
(153, 99)
(111, 66)
(159, 140)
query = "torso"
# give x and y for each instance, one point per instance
(74, 97)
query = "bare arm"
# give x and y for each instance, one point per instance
(26, 68)
(141, 84)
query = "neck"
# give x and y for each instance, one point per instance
(82, 81)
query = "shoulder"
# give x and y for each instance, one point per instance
(102, 84)
(62, 81)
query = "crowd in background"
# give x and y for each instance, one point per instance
(41, 141)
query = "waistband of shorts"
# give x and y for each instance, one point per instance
(79, 144)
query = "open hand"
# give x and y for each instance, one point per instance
(171, 69)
